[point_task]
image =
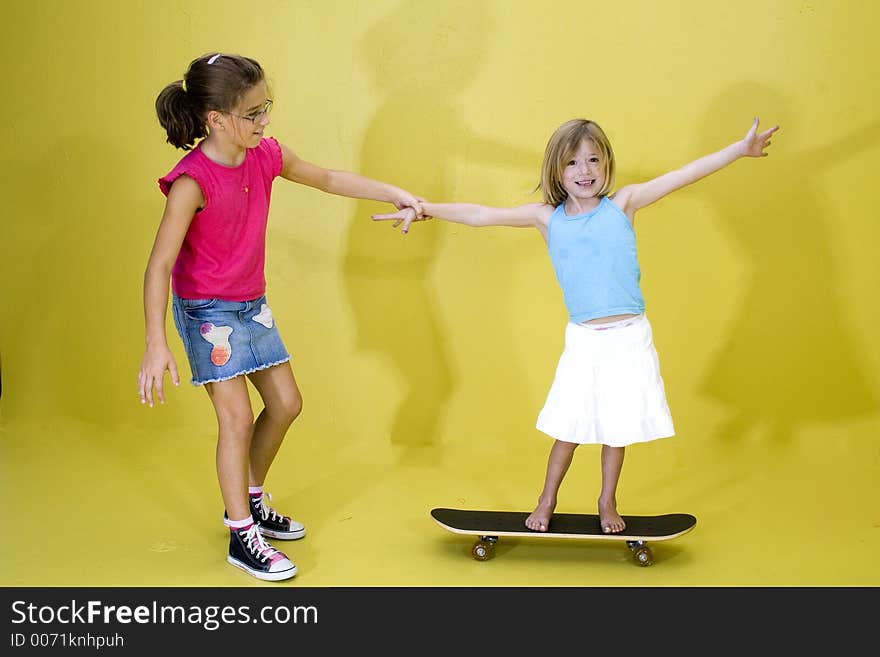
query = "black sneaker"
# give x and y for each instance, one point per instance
(272, 524)
(248, 551)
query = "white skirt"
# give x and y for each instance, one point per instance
(608, 389)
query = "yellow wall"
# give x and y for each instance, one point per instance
(763, 269)
(760, 282)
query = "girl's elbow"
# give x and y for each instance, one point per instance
(340, 183)
(158, 269)
(478, 220)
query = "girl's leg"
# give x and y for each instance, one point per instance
(557, 465)
(612, 463)
(235, 419)
(283, 403)
(235, 423)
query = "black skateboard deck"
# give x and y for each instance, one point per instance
(489, 525)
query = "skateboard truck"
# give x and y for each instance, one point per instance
(484, 549)
(641, 552)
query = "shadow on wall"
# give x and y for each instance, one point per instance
(81, 246)
(789, 359)
(78, 268)
(414, 140)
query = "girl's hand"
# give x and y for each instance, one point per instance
(403, 199)
(152, 373)
(754, 144)
(405, 215)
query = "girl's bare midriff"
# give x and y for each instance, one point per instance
(610, 318)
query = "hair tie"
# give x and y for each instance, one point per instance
(183, 85)
(214, 58)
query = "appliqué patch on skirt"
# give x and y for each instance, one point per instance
(264, 317)
(218, 336)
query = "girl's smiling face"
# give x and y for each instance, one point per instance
(584, 173)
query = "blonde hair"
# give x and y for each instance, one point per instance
(560, 149)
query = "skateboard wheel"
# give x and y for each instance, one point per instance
(481, 550)
(644, 556)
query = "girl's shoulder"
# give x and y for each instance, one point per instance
(548, 211)
(545, 211)
(540, 213)
(620, 197)
(619, 200)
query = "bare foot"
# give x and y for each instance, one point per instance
(539, 519)
(609, 519)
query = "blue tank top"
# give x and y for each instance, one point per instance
(594, 255)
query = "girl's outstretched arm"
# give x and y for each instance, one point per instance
(635, 197)
(531, 215)
(344, 183)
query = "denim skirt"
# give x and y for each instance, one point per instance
(224, 339)
(607, 388)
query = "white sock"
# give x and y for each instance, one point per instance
(241, 524)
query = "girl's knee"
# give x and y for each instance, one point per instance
(240, 421)
(565, 446)
(294, 407)
(288, 408)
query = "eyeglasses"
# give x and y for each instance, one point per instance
(253, 117)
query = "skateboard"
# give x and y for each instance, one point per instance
(489, 525)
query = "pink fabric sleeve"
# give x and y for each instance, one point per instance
(274, 149)
(166, 181)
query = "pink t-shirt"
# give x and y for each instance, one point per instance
(224, 251)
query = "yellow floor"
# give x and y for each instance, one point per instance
(133, 506)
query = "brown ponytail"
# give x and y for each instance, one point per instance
(178, 117)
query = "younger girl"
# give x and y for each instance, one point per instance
(608, 389)
(211, 245)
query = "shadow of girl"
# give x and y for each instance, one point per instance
(789, 359)
(412, 140)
